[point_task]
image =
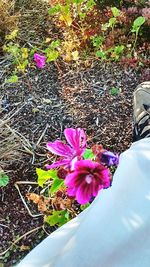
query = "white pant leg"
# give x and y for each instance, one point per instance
(114, 231)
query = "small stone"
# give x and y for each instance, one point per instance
(35, 110)
(46, 100)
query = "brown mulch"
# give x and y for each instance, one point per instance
(48, 101)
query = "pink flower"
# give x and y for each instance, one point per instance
(69, 153)
(40, 60)
(86, 180)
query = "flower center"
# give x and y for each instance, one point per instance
(88, 178)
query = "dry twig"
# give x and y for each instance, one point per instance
(23, 200)
(21, 237)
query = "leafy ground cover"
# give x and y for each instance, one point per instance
(75, 31)
(76, 88)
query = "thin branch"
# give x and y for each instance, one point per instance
(3, 225)
(20, 135)
(3, 122)
(23, 200)
(43, 227)
(42, 135)
(18, 239)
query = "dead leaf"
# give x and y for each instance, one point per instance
(75, 55)
(47, 101)
(24, 248)
(47, 40)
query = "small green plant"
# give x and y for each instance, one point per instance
(113, 53)
(117, 52)
(12, 79)
(59, 218)
(44, 176)
(114, 91)
(138, 22)
(19, 56)
(112, 21)
(52, 51)
(101, 54)
(64, 12)
(98, 41)
(12, 35)
(70, 10)
(4, 178)
(71, 16)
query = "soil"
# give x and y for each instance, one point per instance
(48, 101)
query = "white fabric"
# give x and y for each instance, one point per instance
(114, 231)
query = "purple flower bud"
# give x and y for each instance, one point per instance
(109, 158)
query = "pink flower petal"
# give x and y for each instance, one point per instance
(86, 164)
(106, 178)
(40, 60)
(71, 191)
(95, 188)
(76, 138)
(60, 149)
(72, 166)
(63, 162)
(71, 178)
(83, 194)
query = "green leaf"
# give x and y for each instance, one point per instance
(141, 64)
(57, 217)
(65, 9)
(88, 154)
(114, 91)
(52, 55)
(112, 22)
(105, 26)
(97, 41)
(32, 51)
(4, 179)
(23, 65)
(14, 49)
(119, 49)
(90, 4)
(54, 10)
(7, 254)
(43, 176)
(12, 35)
(25, 53)
(101, 54)
(57, 183)
(83, 207)
(54, 44)
(138, 22)
(77, 1)
(82, 15)
(12, 79)
(115, 11)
